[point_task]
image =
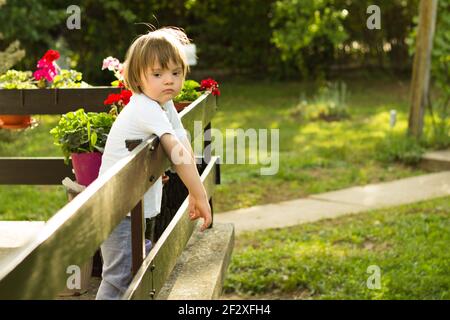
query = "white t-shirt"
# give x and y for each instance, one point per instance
(141, 118)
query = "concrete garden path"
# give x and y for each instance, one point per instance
(337, 203)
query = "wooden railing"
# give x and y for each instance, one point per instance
(38, 270)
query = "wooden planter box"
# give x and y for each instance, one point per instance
(54, 101)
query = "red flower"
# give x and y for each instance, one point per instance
(211, 85)
(125, 96)
(51, 55)
(121, 98)
(112, 98)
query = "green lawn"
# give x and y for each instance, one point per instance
(329, 259)
(30, 202)
(314, 156)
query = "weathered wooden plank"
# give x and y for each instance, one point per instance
(54, 101)
(137, 224)
(162, 258)
(52, 170)
(34, 171)
(60, 101)
(175, 237)
(73, 234)
(202, 109)
(210, 109)
(137, 239)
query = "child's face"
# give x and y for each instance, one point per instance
(163, 85)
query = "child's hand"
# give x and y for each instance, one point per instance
(200, 209)
(165, 178)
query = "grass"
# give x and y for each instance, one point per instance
(314, 157)
(30, 202)
(329, 259)
(324, 260)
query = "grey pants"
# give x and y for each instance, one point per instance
(116, 255)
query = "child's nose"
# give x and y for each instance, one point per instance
(168, 79)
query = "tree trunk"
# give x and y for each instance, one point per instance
(421, 68)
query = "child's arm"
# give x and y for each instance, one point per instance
(184, 164)
(187, 144)
(193, 211)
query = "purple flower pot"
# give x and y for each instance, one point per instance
(86, 166)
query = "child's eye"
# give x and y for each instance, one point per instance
(157, 75)
(176, 73)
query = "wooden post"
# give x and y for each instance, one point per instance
(137, 237)
(421, 68)
(137, 224)
(207, 136)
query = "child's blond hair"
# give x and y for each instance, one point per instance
(162, 46)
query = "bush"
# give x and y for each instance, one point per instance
(399, 148)
(439, 137)
(311, 32)
(308, 32)
(330, 104)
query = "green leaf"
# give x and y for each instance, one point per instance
(78, 132)
(93, 139)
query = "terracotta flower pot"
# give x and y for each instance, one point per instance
(86, 166)
(12, 121)
(181, 105)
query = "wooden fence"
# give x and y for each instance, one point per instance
(38, 270)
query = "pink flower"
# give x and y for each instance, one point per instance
(39, 74)
(47, 66)
(46, 70)
(111, 64)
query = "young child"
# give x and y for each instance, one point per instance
(154, 70)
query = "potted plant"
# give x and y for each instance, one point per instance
(50, 75)
(82, 137)
(47, 75)
(14, 79)
(188, 93)
(192, 90)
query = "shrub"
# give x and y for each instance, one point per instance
(308, 32)
(329, 104)
(399, 148)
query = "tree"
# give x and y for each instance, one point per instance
(34, 24)
(308, 32)
(421, 68)
(12, 54)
